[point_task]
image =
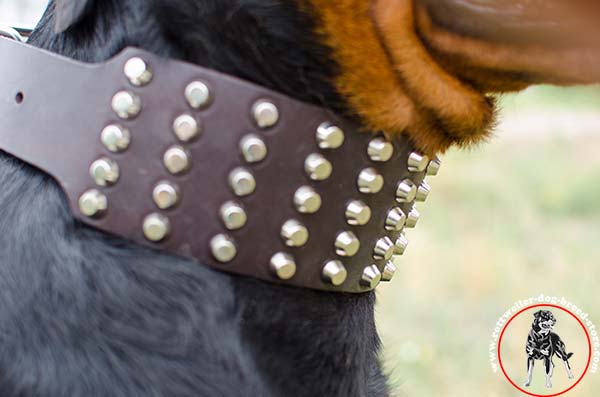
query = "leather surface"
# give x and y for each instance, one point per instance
(66, 105)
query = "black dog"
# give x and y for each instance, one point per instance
(543, 344)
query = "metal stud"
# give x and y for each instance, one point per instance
(186, 128)
(406, 191)
(156, 227)
(307, 200)
(412, 218)
(223, 248)
(93, 203)
(242, 182)
(335, 273)
(388, 271)
(371, 277)
(358, 213)
(197, 94)
(294, 233)
(177, 160)
(265, 114)
(347, 244)
(370, 181)
(330, 136)
(396, 218)
(384, 249)
(434, 167)
(138, 71)
(417, 162)
(233, 215)
(165, 195)
(380, 150)
(115, 138)
(423, 192)
(283, 265)
(253, 148)
(104, 172)
(317, 167)
(400, 245)
(126, 104)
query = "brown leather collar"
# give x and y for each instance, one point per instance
(212, 168)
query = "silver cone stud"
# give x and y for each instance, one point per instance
(165, 195)
(105, 172)
(371, 277)
(330, 136)
(413, 218)
(186, 128)
(406, 191)
(242, 182)
(384, 249)
(358, 213)
(223, 248)
(253, 149)
(334, 273)
(233, 215)
(317, 167)
(396, 218)
(138, 71)
(347, 244)
(197, 94)
(156, 227)
(93, 203)
(434, 167)
(265, 114)
(126, 104)
(417, 162)
(380, 150)
(388, 271)
(115, 138)
(401, 245)
(370, 181)
(423, 192)
(177, 160)
(307, 200)
(294, 233)
(283, 266)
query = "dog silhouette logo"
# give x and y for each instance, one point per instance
(543, 344)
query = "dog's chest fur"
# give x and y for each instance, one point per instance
(83, 313)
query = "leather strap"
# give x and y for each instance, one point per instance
(52, 112)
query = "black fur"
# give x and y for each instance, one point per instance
(86, 314)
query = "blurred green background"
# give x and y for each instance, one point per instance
(508, 220)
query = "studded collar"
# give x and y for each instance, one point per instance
(206, 166)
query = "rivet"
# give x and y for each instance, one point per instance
(335, 273)
(434, 167)
(380, 150)
(197, 94)
(294, 233)
(358, 213)
(307, 200)
(104, 172)
(388, 271)
(177, 160)
(330, 136)
(253, 148)
(283, 265)
(242, 182)
(165, 195)
(396, 218)
(317, 167)
(400, 245)
(223, 248)
(384, 249)
(370, 181)
(412, 218)
(186, 128)
(156, 227)
(347, 244)
(233, 215)
(371, 277)
(423, 192)
(126, 104)
(115, 138)
(138, 71)
(93, 203)
(417, 162)
(406, 191)
(265, 114)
